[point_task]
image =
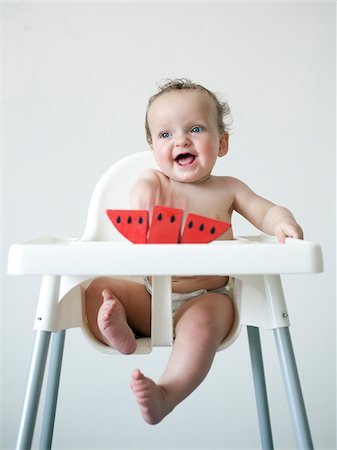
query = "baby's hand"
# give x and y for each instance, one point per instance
(286, 229)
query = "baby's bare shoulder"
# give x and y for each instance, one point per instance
(230, 182)
(152, 175)
(149, 181)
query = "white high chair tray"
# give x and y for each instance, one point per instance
(246, 256)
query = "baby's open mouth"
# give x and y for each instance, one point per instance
(184, 159)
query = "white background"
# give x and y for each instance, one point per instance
(76, 79)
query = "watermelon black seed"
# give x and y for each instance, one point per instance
(172, 219)
(160, 216)
(129, 219)
(140, 220)
(118, 220)
(212, 230)
(201, 228)
(190, 224)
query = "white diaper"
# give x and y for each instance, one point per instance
(179, 299)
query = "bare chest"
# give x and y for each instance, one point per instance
(209, 199)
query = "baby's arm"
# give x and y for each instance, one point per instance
(265, 215)
(146, 192)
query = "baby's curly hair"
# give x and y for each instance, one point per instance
(222, 107)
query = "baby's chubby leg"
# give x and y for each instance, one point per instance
(116, 307)
(201, 325)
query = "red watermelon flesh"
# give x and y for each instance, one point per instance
(165, 225)
(201, 230)
(133, 224)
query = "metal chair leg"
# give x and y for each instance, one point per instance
(293, 388)
(260, 388)
(33, 390)
(53, 382)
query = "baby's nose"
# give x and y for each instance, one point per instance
(182, 140)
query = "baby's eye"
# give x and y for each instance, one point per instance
(164, 135)
(197, 129)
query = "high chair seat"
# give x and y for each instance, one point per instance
(68, 265)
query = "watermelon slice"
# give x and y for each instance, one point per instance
(165, 225)
(201, 230)
(132, 224)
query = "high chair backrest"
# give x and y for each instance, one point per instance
(112, 192)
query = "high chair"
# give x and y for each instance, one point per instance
(68, 265)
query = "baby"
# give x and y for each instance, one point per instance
(186, 131)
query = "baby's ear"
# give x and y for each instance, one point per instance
(223, 147)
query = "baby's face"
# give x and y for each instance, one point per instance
(185, 136)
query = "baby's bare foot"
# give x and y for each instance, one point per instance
(113, 325)
(151, 397)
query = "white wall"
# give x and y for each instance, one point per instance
(77, 77)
